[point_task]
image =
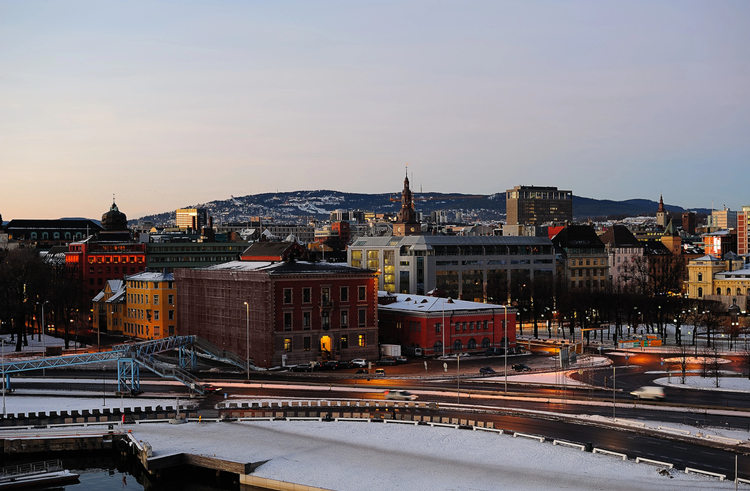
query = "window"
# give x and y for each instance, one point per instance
(325, 320)
(457, 345)
(325, 294)
(306, 296)
(438, 328)
(362, 321)
(700, 276)
(700, 292)
(361, 340)
(306, 321)
(156, 316)
(156, 299)
(287, 321)
(344, 318)
(471, 326)
(472, 344)
(437, 348)
(287, 294)
(344, 293)
(718, 291)
(458, 327)
(306, 343)
(287, 344)
(362, 293)
(486, 343)
(485, 325)
(170, 299)
(464, 325)
(170, 315)
(344, 341)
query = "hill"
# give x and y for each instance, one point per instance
(298, 206)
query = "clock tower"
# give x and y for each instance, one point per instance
(406, 220)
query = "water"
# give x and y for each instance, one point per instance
(120, 480)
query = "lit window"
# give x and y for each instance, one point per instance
(287, 344)
(361, 340)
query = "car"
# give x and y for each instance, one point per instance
(401, 360)
(400, 395)
(361, 370)
(648, 392)
(359, 362)
(386, 361)
(487, 371)
(380, 372)
(331, 365)
(520, 367)
(494, 352)
(211, 389)
(345, 364)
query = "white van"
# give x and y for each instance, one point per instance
(648, 392)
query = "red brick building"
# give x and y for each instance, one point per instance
(289, 312)
(417, 320)
(96, 262)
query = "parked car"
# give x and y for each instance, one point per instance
(401, 360)
(400, 395)
(359, 362)
(331, 365)
(494, 352)
(648, 392)
(487, 371)
(345, 364)
(380, 372)
(520, 367)
(361, 370)
(386, 361)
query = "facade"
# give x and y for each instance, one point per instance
(303, 233)
(585, 257)
(743, 231)
(469, 268)
(150, 306)
(714, 279)
(688, 222)
(724, 219)
(109, 308)
(532, 205)
(623, 249)
(287, 312)
(44, 234)
(96, 262)
(170, 255)
(432, 323)
(191, 218)
(719, 243)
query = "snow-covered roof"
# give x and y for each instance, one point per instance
(151, 276)
(423, 303)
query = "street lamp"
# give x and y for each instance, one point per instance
(247, 310)
(42, 330)
(505, 351)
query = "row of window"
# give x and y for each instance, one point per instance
(325, 294)
(728, 291)
(139, 314)
(458, 345)
(108, 270)
(325, 319)
(359, 339)
(141, 330)
(144, 284)
(589, 262)
(140, 298)
(115, 259)
(56, 235)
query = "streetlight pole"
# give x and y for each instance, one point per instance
(443, 330)
(247, 310)
(505, 351)
(614, 389)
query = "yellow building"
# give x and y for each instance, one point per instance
(711, 278)
(150, 306)
(109, 307)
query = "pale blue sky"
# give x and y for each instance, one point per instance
(172, 103)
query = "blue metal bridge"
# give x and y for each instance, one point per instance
(131, 357)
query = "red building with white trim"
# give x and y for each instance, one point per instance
(96, 262)
(417, 321)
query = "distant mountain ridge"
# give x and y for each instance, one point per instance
(298, 206)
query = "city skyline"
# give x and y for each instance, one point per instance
(171, 105)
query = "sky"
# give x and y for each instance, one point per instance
(166, 104)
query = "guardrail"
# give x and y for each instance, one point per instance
(526, 435)
(638, 460)
(691, 470)
(563, 443)
(609, 452)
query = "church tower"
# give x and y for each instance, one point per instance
(406, 220)
(661, 214)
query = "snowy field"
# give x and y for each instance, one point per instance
(373, 456)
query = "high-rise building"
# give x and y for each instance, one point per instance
(688, 222)
(532, 205)
(743, 231)
(191, 218)
(724, 219)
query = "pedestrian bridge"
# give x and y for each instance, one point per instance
(132, 356)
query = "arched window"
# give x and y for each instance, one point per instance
(700, 276)
(437, 348)
(56, 235)
(78, 235)
(67, 235)
(45, 236)
(457, 345)
(739, 291)
(700, 292)
(472, 344)
(718, 291)
(486, 343)
(33, 235)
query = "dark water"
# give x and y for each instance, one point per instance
(115, 480)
